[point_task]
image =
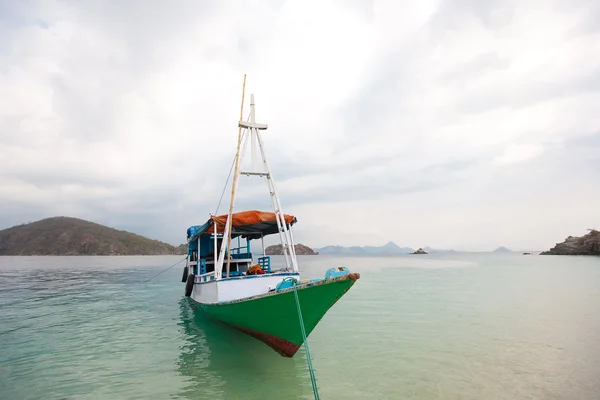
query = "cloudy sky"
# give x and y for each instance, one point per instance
(462, 124)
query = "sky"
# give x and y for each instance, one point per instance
(466, 125)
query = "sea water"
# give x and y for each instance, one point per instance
(438, 326)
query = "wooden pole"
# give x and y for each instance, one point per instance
(235, 178)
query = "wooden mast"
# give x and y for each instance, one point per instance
(235, 178)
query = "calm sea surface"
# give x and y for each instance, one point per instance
(461, 326)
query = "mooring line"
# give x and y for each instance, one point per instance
(309, 360)
(178, 262)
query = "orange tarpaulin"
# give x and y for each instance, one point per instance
(249, 224)
(253, 220)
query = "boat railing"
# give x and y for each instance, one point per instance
(206, 277)
(241, 256)
(241, 251)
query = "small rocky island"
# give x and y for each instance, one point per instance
(277, 250)
(419, 251)
(586, 245)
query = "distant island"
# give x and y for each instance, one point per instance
(300, 249)
(502, 249)
(419, 251)
(586, 245)
(73, 236)
(430, 250)
(388, 248)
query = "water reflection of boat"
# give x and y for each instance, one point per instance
(219, 362)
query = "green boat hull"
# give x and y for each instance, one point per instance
(273, 317)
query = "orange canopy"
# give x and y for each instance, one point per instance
(248, 219)
(251, 224)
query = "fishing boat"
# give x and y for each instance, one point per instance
(244, 288)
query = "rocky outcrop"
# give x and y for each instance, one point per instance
(302, 250)
(419, 251)
(586, 245)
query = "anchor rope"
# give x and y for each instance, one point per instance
(313, 380)
(178, 262)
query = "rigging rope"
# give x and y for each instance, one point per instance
(229, 176)
(225, 187)
(166, 269)
(313, 380)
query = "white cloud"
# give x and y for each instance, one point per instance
(518, 153)
(424, 123)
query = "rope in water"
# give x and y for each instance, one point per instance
(178, 262)
(310, 367)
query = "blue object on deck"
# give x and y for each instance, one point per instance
(335, 272)
(193, 230)
(265, 263)
(286, 283)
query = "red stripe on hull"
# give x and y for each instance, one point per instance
(282, 346)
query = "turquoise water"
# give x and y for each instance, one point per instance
(463, 326)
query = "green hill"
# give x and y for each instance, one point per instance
(181, 249)
(73, 236)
